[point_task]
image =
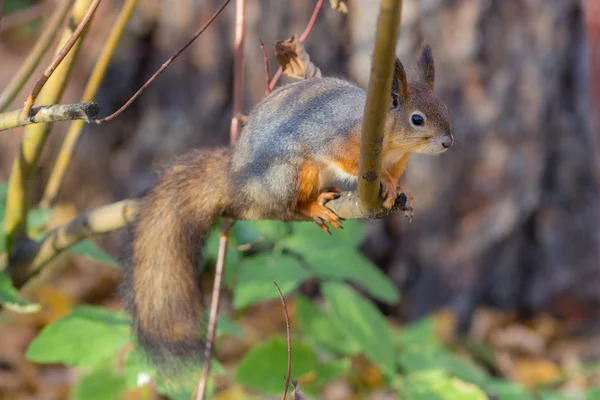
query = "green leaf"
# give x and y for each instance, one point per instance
(506, 390)
(362, 321)
(89, 249)
(308, 238)
(435, 384)
(346, 263)
(258, 274)
(548, 395)
(250, 232)
(592, 394)
(225, 326)
(100, 384)
(11, 298)
(321, 329)
(264, 366)
(84, 338)
(419, 357)
(422, 331)
(38, 218)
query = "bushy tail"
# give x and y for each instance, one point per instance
(161, 287)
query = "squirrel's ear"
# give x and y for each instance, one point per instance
(427, 67)
(400, 91)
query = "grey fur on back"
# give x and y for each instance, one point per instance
(301, 118)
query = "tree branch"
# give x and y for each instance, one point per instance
(163, 67)
(60, 56)
(68, 148)
(35, 55)
(34, 138)
(98, 221)
(60, 112)
(377, 105)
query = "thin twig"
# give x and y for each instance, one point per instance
(163, 67)
(267, 72)
(22, 176)
(35, 55)
(214, 309)
(289, 343)
(68, 147)
(377, 104)
(238, 87)
(302, 38)
(85, 112)
(59, 57)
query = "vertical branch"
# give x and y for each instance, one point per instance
(289, 342)
(35, 55)
(66, 152)
(238, 69)
(25, 165)
(238, 81)
(267, 72)
(377, 104)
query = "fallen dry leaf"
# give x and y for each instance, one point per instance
(294, 60)
(535, 371)
(339, 5)
(518, 338)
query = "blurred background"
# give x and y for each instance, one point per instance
(507, 218)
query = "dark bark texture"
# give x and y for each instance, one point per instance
(508, 216)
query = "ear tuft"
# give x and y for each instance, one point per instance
(400, 91)
(427, 67)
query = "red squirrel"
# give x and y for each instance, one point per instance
(297, 141)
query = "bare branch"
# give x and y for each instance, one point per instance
(98, 221)
(85, 112)
(66, 152)
(267, 72)
(25, 165)
(377, 104)
(289, 342)
(163, 67)
(35, 55)
(303, 37)
(37, 88)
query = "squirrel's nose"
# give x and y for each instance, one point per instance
(448, 140)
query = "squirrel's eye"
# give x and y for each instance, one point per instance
(417, 120)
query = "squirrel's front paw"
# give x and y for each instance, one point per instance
(409, 204)
(388, 192)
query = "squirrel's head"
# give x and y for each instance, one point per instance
(420, 120)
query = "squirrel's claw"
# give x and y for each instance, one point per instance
(409, 204)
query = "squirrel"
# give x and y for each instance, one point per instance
(297, 141)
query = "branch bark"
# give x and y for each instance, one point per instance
(85, 112)
(34, 138)
(377, 105)
(35, 55)
(66, 152)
